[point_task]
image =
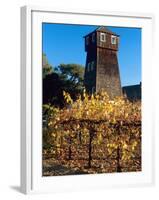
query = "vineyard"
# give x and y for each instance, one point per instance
(93, 134)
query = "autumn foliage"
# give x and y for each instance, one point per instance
(93, 134)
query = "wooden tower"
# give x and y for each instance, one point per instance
(102, 70)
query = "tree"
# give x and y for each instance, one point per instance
(65, 77)
(53, 90)
(72, 74)
(47, 68)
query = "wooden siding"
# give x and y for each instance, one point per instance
(105, 74)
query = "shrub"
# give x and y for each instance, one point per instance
(96, 127)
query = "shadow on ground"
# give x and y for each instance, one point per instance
(56, 170)
(16, 188)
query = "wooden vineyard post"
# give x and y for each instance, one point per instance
(118, 160)
(118, 151)
(90, 149)
(69, 150)
(80, 139)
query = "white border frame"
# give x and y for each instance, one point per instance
(31, 101)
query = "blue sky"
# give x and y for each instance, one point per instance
(64, 43)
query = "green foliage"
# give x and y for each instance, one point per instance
(73, 74)
(47, 68)
(66, 77)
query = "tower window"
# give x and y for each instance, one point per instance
(89, 67)
(102, 37)
(92, 65)
(93, 90)
(113, 39)
(87, 40)
(93, 37)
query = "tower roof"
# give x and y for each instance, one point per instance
(102, 29)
